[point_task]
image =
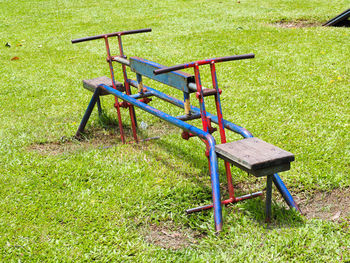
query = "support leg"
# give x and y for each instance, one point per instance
(285, 193)
(99, 106)
(88, 111)
(268, 197)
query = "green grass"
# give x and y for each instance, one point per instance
(95, 203)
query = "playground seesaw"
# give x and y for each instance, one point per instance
(249, 154)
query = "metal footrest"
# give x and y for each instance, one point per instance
(225, 202)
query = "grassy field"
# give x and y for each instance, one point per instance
(63, 200)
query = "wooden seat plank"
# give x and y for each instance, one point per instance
(92, 84)
(255, 156)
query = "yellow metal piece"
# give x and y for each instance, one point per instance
(187, 106)
(140, 87)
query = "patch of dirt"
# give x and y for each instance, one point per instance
(96, 138)
(100, 138)
(170, 237)
(332, 206)
(162, 129)
(255, 185)
(296, 24)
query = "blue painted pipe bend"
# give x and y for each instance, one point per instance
(233, 127)
(192, 129)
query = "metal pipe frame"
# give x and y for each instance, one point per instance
(227, 124)
(179, 121)
(132, 113)
(221, 128)
(205, 136)
(224, 202)
(230, 126)
(111, 70)
(124, 62)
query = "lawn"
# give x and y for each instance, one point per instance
(64, 200)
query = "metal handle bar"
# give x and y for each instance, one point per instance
(202, 62)
(112, 35)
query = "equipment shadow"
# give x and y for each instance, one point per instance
(282, 216)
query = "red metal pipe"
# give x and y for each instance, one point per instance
(221, 128)
(224, 202)
(128, 92)
(201, 99)
(121, 130)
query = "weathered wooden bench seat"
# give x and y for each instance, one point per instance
(92, 84)
(258, 158)
(255, 156)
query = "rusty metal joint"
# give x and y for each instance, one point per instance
(187, 135)
(146, 100)
(123, 104)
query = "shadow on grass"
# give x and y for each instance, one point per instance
(191, 156)
(280, 216)
(109, 124)
(253, 208)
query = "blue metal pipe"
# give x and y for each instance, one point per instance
(210, 141)
(285, 193)
(230, 126)
(215, 182)
(99, 107)
(95, 98)
(141, 95)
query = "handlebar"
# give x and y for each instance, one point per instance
(202, 62)
(111, 35)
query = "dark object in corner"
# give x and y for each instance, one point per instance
(340, 20)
